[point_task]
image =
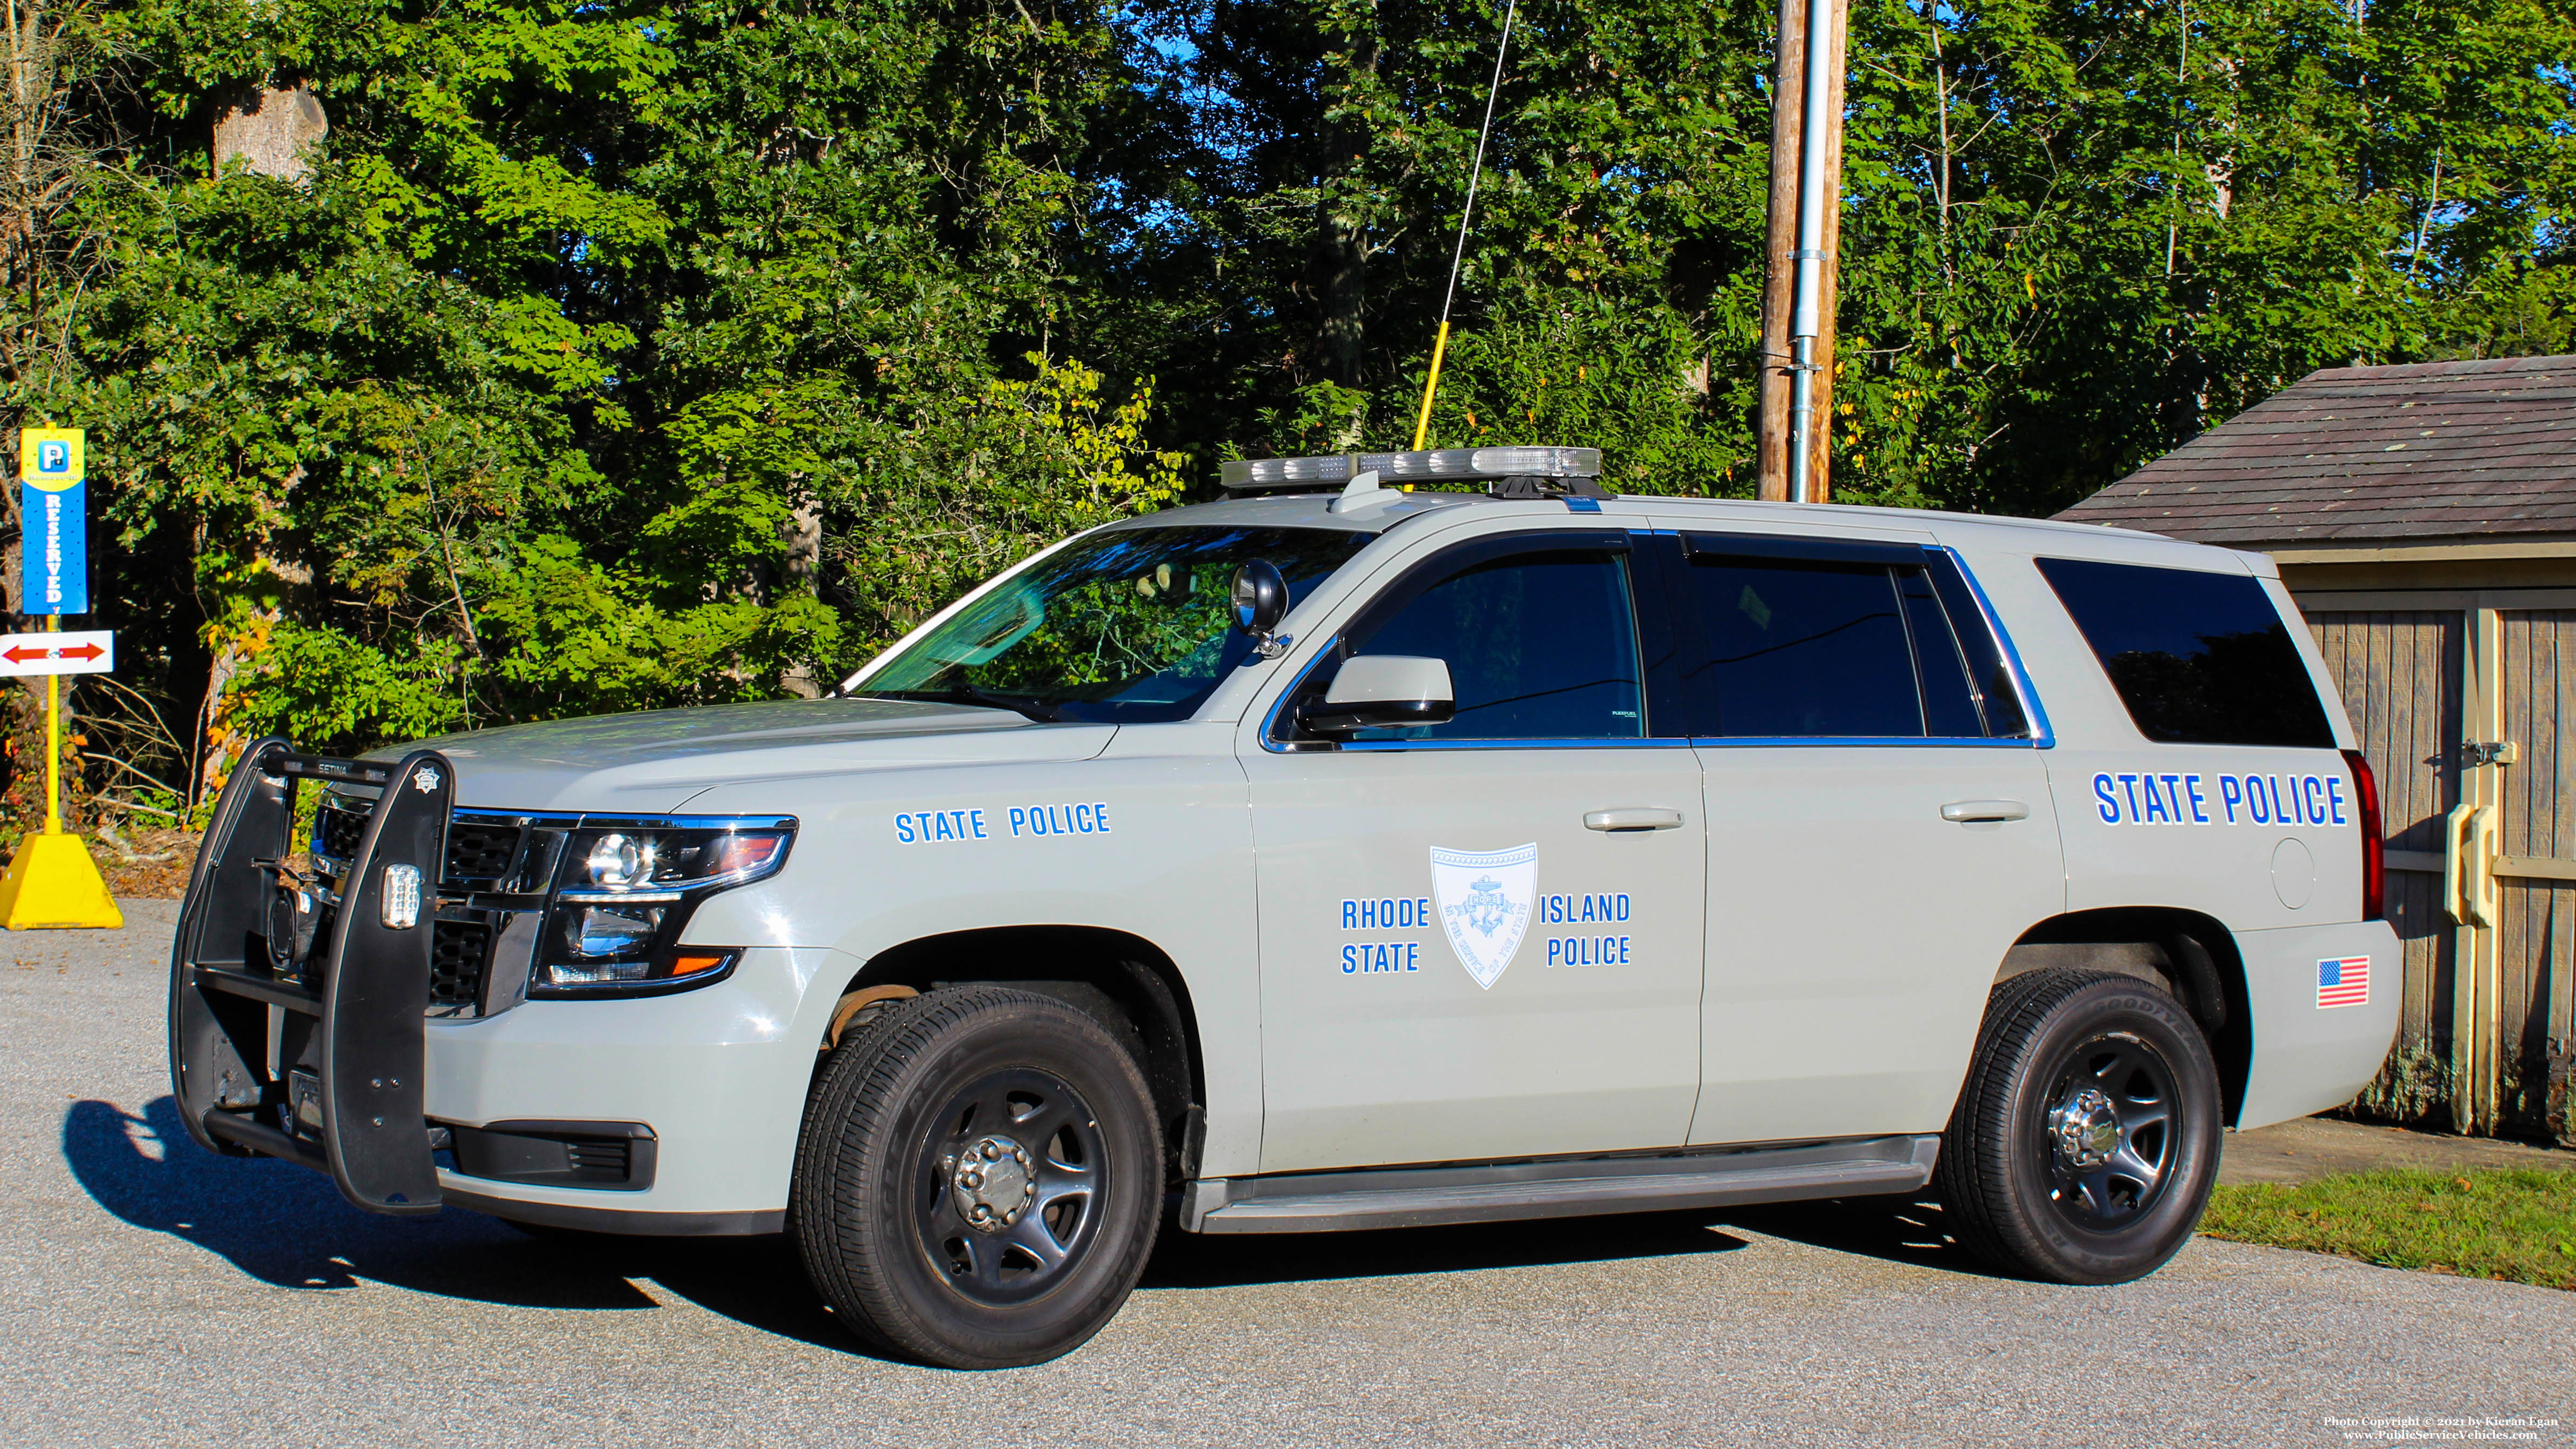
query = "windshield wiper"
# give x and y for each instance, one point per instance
(1038, 710)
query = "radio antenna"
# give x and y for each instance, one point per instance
(1440, 343)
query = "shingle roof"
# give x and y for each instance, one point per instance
(2355, 454)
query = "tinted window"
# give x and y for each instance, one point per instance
(2198, 658)
(1997, 701)
(1540, 646)
(1800, 649)
(1949, 706)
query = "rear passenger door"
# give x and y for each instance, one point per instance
(2214, 780)
(1880, 829)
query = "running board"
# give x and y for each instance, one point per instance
(1412, 1197)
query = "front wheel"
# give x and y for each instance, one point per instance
(2085, 1141)
(979, 1179)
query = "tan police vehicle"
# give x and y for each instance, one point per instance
(1345, 856)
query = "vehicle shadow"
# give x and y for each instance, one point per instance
(1896, 1229)
(288, 1226)
(1191, 1260)
(758, 1282)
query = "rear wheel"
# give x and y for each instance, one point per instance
(2085, 1141)
(979, 1179)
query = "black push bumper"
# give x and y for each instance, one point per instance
(296, 1004)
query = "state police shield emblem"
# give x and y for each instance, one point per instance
(1485, 899)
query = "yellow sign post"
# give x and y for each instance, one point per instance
(53, 881)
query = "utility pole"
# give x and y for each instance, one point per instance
(1788, 111)
(1796, 400)
(1829, 273)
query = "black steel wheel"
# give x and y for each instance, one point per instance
(1010, 1188)
(979, 1179)
(2107, 1130)
(2085, 1140)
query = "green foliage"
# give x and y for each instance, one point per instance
(2072, 238)
(1608, 279)
(2517, 1225)
(2079, 237)
(624, 354)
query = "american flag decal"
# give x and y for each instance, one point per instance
(2344, 982)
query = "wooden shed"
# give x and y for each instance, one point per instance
(2425, 518)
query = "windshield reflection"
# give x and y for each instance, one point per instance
(1128, 626)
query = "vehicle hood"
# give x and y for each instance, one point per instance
(652, 763)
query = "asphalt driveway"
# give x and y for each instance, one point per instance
(153, 1294)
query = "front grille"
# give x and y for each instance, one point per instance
(336, 833)
(479, 855)
(480, 852)
(456, 954)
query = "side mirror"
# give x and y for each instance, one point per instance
(1383, 691)
(1260, 602)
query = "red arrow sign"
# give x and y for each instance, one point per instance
(21, 655)
(86, 651)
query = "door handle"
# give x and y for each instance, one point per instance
(2468, 864)
(1969, 811)
(1622, 821)
(2455, 894)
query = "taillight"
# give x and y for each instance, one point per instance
(2374, 862)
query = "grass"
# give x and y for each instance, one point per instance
(2515, 1225)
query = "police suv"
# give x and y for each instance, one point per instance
(1411, 838)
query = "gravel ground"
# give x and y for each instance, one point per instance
(152, 1294)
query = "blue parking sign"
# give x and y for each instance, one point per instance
(54, 509)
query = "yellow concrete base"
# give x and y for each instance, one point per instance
(53, 882)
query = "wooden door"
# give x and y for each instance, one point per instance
(2535, 930)
(2400, 673)
(2462, 704)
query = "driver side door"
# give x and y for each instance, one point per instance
(1482, 939)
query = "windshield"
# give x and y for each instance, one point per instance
(1129, 626)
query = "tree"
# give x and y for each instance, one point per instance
(656, 352)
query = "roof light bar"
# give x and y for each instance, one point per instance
(1437, 465)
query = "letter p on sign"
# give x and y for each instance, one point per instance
(51, 458)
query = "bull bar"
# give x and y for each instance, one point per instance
(297, 1005)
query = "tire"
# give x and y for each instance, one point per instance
(1017, 1109)
(2086, 1139)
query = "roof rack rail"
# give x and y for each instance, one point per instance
(1523, 472)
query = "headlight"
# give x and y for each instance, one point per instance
(623, 894)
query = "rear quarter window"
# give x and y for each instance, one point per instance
(2198, 658)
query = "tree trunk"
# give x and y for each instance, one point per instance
(1341, 239)
(272, 131)
(1343, 259)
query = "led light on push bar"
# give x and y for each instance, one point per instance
(402, 897)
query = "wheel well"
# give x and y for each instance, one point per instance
(1124, 981)
(2187, 953)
